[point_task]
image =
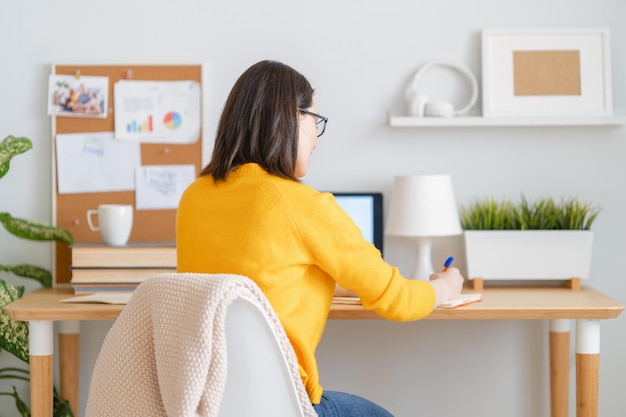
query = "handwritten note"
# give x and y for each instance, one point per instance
(161, 186)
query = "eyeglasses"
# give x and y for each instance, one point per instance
(320, 124)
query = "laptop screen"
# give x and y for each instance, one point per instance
(366, 209)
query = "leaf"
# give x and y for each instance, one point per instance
(15, 374)
(30, 271)
(61, 407)
(10, 147)
(13, 334)
(34, 230)
(20, 405)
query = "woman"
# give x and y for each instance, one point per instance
(249, 214)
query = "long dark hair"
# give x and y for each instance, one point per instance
(259, 122)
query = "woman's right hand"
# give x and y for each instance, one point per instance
(448, 285)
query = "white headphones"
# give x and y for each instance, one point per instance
(420, 104)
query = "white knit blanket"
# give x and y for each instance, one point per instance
(166, 355)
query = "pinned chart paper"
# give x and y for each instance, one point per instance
(95, 162)
(157, 111)
(161, 186)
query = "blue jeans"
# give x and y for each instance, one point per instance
(339, 404)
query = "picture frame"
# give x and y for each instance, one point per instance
(545, 72)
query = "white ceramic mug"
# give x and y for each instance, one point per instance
(115, 222)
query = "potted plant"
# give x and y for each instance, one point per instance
(538, 240)
(14, 334)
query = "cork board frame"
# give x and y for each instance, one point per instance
(546, 72)
(69, 210)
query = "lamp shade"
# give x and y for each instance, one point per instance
(423, 205)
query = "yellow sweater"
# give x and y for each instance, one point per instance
(295, 243)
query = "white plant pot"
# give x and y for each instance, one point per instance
(528, 254)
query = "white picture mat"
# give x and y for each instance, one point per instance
(595, 71)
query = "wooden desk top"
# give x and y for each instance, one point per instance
(497, 304)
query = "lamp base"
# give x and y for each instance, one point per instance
(424, 264)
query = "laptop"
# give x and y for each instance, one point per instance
(366, 209)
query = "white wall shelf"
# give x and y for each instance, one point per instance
(619, 118)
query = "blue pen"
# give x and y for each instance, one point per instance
(447, 263)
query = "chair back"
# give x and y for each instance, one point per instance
(258, 381)
(197, 345)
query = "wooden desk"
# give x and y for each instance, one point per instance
(42, 308)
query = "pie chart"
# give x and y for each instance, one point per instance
(172, 120)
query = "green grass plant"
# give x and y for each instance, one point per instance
(543, 214)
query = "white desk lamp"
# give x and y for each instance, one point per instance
(423, 207)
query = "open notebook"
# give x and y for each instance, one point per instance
(462, 300)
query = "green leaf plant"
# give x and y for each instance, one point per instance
(14, 334)
(542, 214)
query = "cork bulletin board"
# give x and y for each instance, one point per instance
(69, 210)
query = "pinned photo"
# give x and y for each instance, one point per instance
(78, 96)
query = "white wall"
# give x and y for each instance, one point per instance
(359, 55)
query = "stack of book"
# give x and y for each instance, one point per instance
(98, 268)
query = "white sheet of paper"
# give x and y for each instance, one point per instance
(95, 162)
(161, 186)
(157, 111)
(101, 298)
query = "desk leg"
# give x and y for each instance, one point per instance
(587, 367)
(559, 367)
(41, 349)
(69, 359)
